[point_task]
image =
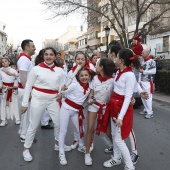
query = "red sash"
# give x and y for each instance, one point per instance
(46, 90)
(9, 92)
(20, 86)
(113, 109)
(81, 115)
(151, 87)
(99, 117)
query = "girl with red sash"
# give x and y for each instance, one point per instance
(43, 84)
(102, 89)
(121, 111)
(9, 102)
(72, 108)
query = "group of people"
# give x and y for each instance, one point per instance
(96, 89)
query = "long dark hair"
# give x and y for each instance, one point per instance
(39, 58)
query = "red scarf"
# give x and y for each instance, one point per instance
(74, 68)
(61, 67)
(148, 58)
(127, 69)
(23, 54)
(102, 79)
(45, 66)
(85, 87)
(93, 63)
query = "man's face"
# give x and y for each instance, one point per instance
(31, 48)
(145, 54)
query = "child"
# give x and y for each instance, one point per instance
(72, 109)
(102, 89)
(43, 84)
(121, 111)
(9, 102)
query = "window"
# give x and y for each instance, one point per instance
(165, 43)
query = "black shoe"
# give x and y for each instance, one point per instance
(134, 158)
(47, 127)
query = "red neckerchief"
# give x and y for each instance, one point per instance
(127, 69)
(45, 66)
(61, 67)
(85, 87)
(74, 68)
(93, 63)
(23, 54)
(103, 79)
(148, 58)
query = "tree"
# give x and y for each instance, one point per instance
(119, 13)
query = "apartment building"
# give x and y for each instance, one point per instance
(3, 39)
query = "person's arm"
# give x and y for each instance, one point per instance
(23, 77)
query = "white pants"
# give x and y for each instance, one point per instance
(85, 121)
(12, 110)
(39, 102)
(133, 141)
(45, 118)
(147, 103)
(119, 146)
(65, 116)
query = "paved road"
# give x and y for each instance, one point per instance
(153, 140)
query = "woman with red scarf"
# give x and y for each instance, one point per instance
(120, 110)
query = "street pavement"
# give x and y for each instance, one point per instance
(153, 142)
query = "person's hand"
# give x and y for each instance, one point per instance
(23, 109)
(141, 70)
(8, 73)
(63, 88)
(119, 122)
(59, 98)
(133, 101)
(144, 95)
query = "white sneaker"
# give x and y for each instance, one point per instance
(148, 116)
(111, 162)
(63, 160)
(88, 159)
(66, 148)
(82, 149)
(74, 145)
(109, 150)
(143, 113)
(3, 123)
(27, 156)
(126, 168)
(17, 122)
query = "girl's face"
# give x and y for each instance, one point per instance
(84, 76)
(80, 60)
(49, 56)
(99, 68)
(94, 59)
(5, 63)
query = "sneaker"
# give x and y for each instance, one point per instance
(66, 148)
(17, 122)
(109, 150)
(62, 159)
(88, 159)
(74, 145)
(143, 113)
(126, 168)
(3, 123)
(134, 158)
(111, 162)
(27, 156)
(82, 149)
(148, 116)
(91, 147)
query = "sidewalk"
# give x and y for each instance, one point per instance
(161, 97)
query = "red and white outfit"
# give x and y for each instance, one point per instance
(72, 109)
(46, 82)
(9, 101)
(125, 82)
(149, 69)
(24, 64)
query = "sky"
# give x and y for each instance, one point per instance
(27, 19)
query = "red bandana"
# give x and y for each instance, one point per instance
(103, 79)
(23, 54)
(85, 87)
(74, 68)
(93, 63)
(61, 67)
(45, 66)
(148, 58)
(127, 69)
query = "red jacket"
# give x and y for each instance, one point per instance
(137, 49)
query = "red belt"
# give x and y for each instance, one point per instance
(20, 86)
(81, 115)
(46, 90)
(100, 116)
(151, 87)
(9, 92)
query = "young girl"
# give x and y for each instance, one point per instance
(102, 89)
(9, 102)
(93, 59)
(46, 80)
(72, 109)
(121, 111)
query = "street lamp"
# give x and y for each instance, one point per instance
(107, 32)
